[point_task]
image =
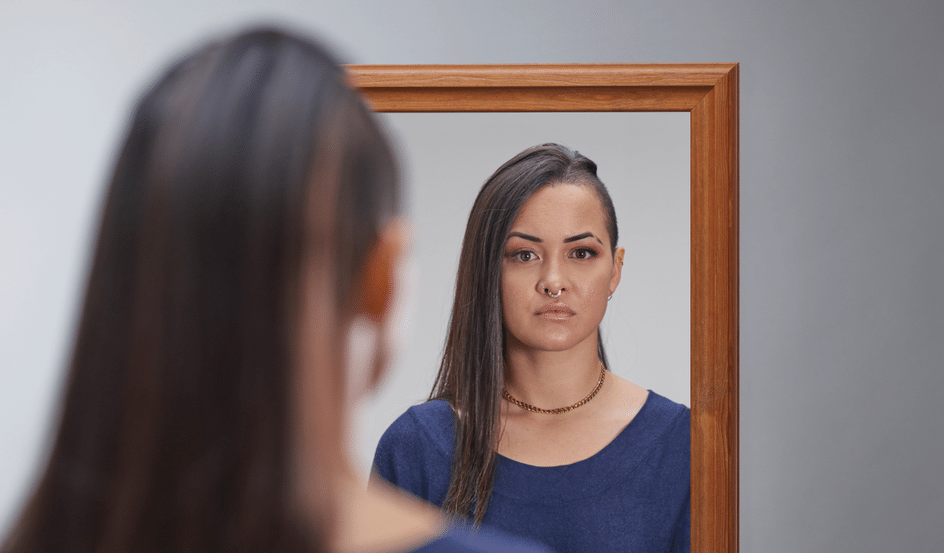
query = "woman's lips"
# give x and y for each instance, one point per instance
(555, 312)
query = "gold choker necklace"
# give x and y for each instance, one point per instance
(559, 410)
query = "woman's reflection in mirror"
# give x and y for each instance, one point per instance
(526, 429)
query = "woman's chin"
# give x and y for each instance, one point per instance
(562, 341)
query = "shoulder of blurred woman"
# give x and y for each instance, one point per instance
(482, 541)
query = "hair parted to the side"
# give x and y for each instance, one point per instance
(471, 375)
(249, 172)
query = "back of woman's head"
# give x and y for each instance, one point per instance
(249, 175)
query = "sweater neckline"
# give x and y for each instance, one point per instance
(588, 477)
(614, 443)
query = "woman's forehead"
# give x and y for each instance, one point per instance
(562, 209)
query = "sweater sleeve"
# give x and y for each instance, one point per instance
(410, 456)
(682, 535)
(682, 532)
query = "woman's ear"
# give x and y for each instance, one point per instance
(617, 269)
(370, 338)
(375, 294)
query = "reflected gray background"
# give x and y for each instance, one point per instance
(643, 158)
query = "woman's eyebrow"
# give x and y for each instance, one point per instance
(525, 236)
(581, 237)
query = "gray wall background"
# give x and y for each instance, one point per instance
(842, 194)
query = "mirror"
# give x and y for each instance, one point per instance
(709, 94)
(643, 159)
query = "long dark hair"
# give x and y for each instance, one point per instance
(249, 173)
(472, 370)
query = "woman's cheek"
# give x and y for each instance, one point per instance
(596, 293)
(514, 298)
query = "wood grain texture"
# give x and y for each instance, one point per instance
(714, 151)
(710, 93)
(531, 99)
(538, 75)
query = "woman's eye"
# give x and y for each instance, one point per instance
(523, 255)
(584, 253)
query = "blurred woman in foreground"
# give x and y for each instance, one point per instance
(238, 301)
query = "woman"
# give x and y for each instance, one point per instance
(249, 232)
(526, 429)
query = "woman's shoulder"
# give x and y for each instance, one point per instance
(666, 409)
(432, 420)
(436, 411)
(381, 518)
(661, 425)
(415, 452)
(463, 541)
(666, 430)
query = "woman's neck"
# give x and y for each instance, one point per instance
(551, 379)
(374, 519)
(381, 519)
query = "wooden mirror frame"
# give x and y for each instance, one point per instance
(709, 92)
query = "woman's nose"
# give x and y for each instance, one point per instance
(552, 279)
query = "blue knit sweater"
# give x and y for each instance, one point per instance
(631, 496)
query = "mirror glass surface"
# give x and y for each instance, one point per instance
(644, 160)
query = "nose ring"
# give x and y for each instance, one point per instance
(553, 295)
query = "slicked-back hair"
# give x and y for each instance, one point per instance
(471, 374)
(249, 173)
